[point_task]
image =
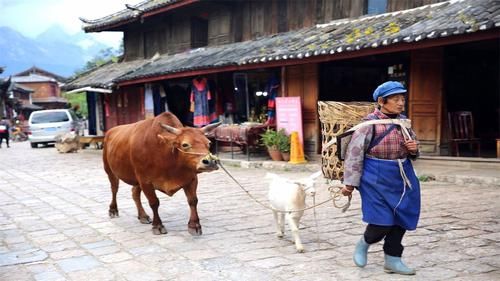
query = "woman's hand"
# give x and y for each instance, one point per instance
(412, 146)
(347, 190)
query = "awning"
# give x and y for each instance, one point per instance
(90, 89)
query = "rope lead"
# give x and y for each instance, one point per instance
(334, 196)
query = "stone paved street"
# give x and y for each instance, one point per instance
(54, 225)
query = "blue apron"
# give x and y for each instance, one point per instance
(386, 198)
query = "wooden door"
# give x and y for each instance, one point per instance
(302, 81)
(425, 97)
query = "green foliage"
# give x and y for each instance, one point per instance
(283, 141)
(79, 99)
(104, 56)
(425, 178)
(270, 139)
(276, 140)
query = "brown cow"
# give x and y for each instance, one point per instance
(158, 154)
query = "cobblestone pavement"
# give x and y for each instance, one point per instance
(54, 225)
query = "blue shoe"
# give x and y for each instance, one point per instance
(361, 252)
(396, 265)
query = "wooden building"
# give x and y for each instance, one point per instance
(46, 89)
(446, 52)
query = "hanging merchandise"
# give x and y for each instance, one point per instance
(148, 101)
(272, 90)
(200, 95)
(163, 95)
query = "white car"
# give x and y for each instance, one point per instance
(45, 125)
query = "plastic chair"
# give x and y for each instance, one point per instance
(461, 128)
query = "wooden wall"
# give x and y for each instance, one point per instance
(125, 106)
(44, 89)
(235, 21)
(397, 5)
(426, 83)
(302, 81)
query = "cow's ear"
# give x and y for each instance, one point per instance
(208, 128)
(165, 139)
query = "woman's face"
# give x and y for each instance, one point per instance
(395, 104)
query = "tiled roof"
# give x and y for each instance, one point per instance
(445, 19)
(440, 20)
(22, 88)
(125, 15)
(49, 99)
(103, 76)
(32, 78)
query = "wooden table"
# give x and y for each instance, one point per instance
(240, 135)
(96, 140)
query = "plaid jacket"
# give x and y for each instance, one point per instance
(390, 147)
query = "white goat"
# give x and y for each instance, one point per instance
(289, 195)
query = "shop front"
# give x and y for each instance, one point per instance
(441, 81)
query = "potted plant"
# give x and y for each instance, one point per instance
(284, 144)
(271, 139)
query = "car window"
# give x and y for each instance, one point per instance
(49, 117)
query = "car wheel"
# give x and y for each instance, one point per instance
(34, 145)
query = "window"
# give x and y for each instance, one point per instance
(49, 117)
(199, 32)
(374, 7)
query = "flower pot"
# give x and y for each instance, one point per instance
(275, 154)
(285, 156)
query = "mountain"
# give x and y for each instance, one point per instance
(53, 50)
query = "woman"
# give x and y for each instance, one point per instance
(377, 165)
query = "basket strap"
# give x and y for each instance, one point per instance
(403, 123)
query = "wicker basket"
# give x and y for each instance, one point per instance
(336, 118)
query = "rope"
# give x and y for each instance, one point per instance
(334, 196)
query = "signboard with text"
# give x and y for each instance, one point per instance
(289, 115)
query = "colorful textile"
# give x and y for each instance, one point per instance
(390, 147)
(200, 95)
(272, 92)
(386, 198)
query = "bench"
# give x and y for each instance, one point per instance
(96, 140)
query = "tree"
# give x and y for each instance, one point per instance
(104, 56)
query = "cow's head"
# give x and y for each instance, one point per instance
(192, 146)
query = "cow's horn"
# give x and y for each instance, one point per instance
(171, 129)
(210, 127)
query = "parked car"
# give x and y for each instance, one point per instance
(45, 125)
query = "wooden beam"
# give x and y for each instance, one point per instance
(169, 8)
(399, 47)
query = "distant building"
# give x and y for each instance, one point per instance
(39, 71)
(46, 87)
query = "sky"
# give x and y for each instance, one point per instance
(32, 17)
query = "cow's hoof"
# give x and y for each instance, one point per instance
(195, 231)
(145, 220)
(113, 213)
(279, 234)
(159, 229)
(300, 250)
